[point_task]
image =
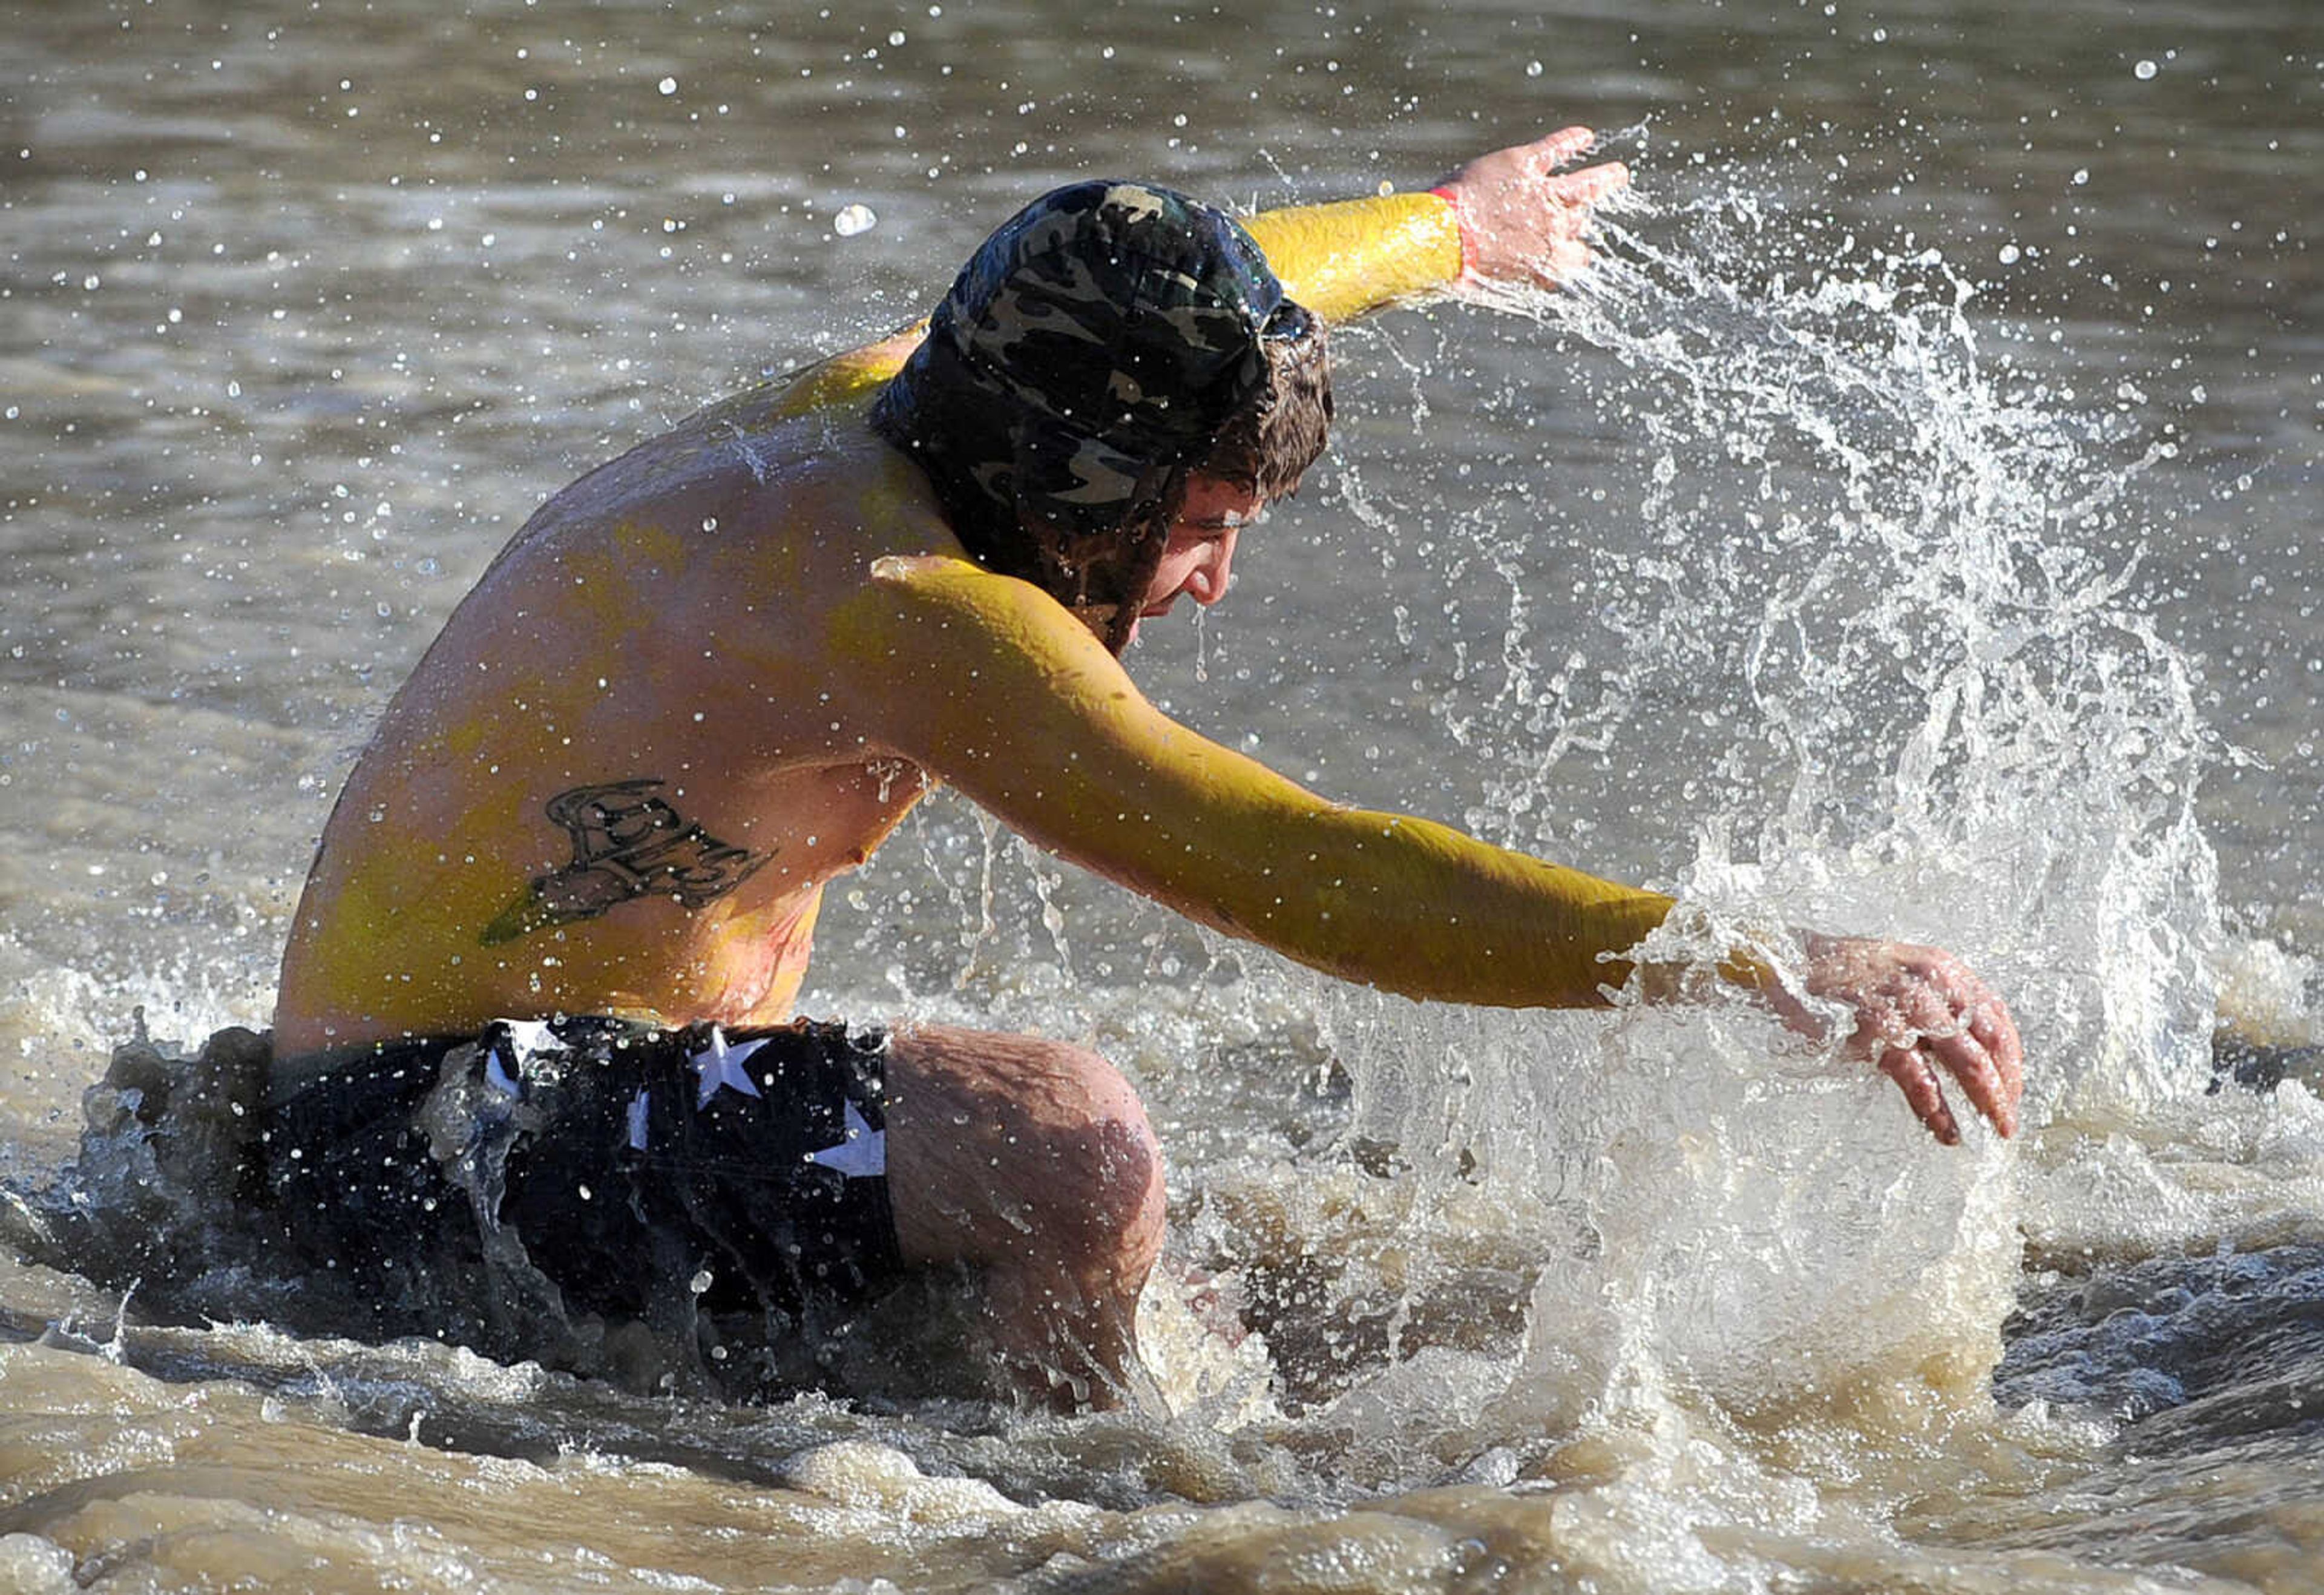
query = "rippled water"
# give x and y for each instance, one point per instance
(1909, 529)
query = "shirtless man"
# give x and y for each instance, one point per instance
(542, 975)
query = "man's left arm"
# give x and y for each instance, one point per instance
(1516, 216)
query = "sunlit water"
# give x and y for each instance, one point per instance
(1907, 529)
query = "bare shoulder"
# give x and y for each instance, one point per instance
(734, 504)
(734, 457)
(692, 582)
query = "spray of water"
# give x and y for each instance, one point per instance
(1872, 612)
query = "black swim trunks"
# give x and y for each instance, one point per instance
(590, 1165)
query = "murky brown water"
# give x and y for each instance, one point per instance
(305, 307)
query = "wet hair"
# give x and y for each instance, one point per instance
(1111, 340)
(1270, 443)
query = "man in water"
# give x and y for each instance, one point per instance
(537, 1003)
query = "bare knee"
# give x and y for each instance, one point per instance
(1106, 1206)
(1021, 1153)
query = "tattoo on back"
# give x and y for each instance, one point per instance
(627, 844)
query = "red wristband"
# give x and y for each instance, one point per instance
(1467, 247)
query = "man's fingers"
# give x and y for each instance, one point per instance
(1591, 184)
(1922, 1014)
(1565, 144)
(1990, 1023)
(1913, 1074)
(1967, 1060)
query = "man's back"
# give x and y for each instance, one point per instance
(615, 784)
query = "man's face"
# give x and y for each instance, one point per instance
(1199, 558)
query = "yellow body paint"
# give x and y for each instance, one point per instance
(990, 684)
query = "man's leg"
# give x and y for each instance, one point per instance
(1031, 1161)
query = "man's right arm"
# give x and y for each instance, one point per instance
(990, 685)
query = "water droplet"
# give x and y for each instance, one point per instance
(2081, 175)
(668, 85)
(897, 37)
(852, 219)
(2009, 255)
(1533, 69)
(2144, 70)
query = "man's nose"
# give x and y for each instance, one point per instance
(1207, 583)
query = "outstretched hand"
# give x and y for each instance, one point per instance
(1919, 1011)
(1522, 220)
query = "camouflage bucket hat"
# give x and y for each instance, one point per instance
(1088, 355)
(1122, 322)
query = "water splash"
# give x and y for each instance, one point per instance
(1886, 600)
(1871, 620)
